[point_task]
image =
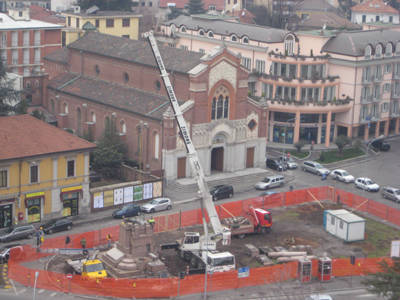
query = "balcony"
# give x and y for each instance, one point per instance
(395, 114)
(376, 98)
(377, 78)
(396, 75)
(366, 99)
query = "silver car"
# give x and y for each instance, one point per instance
(314, 167)
(18, 233)
(157, 204)
(391, 193)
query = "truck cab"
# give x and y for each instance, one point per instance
(220, 261)
(263, 219)
(93, 269)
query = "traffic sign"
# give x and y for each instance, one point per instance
(69, 276)
(243, 272)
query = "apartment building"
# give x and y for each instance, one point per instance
(119, 23)
(44, 171)
(312, 80)
(6, 5)
(374, 11)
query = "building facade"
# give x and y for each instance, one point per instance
(6, 5)
(312, 81)
(104, 79)
(118, 23)
(374, 11)
(44, 172)
(24, 43)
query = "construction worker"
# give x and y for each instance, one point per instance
(67, 240)
(109, 240)
(151, 222)
(83, 243)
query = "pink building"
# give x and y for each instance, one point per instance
(317, 84)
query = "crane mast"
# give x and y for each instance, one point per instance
(206, 199)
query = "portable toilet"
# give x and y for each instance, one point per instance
(344, 225)
(304, 269)
(324, 268)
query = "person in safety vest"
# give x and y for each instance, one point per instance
(151, 222)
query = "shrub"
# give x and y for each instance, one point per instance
(299, 145)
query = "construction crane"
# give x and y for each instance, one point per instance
(194, 247)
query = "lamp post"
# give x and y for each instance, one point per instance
(34, 284)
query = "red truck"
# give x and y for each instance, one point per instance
(258, 221)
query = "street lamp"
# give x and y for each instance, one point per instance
(34, 285)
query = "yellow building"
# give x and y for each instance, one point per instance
(118, 23)
(44, 171)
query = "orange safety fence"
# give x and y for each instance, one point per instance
(171, 287)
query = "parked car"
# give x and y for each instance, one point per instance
(315, 168)
(18, 233)
(367, 184)
(319, 297)
(157, 205)
(379, 144)
(268, 193)
(5, 253)
(391, 193)
(130, 210)
(221, 191)
(274, 164)
(342, 175)
(288, 162)
(270, 182)
(57, 225)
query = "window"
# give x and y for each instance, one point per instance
(332, 220)
(109, 22)
(378, 51)
(158, 85)
(156, 145)
(341, 223)
(234, 38)
(246, 62)
(65, 108)
(37, 37)
(398, 48)
(389, 49)
(69, 21)
(123, 127)
(126, 22)
(14, 39)
(97, 23)
(34, 173)
(125, 36)
(201, 32)
(386, 88)
(77, 22)
(3, 178)
(26, 38)
(211, 35)
(126, 77)
(220, 104)
(367, 52)
(211, 7)
(52, 106)
(93, 117)
(260, 66)
(3, 40)
(37, 56)
(26, 56)
(388, 68)
(289, 44)
(202, 51)
(71, 168)
(245, 40)
(329, 93)
(183, 29)
(97, 69)
(377, 18)
(390, 19)
(385, 107)
(364, 18)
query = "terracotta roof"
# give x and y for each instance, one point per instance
(25, 136)
(42, 14)
(135, 51)
(111, 94)
(104, 13)
(375, 6)
(59, 55)
(219, 4)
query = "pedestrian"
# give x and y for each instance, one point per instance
(109, 240)
(151, 222)
(83, 243)
(323, 177)
(67, 240)
(37, 241)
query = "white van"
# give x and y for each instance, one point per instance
(270, 182)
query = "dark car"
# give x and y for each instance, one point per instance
(57, 225)
(129, 210)
(275, 164)
(18, 233)
(380, 145)
(221, 191)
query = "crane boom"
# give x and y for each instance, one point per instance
(205, 195)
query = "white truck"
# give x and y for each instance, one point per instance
(199, 250)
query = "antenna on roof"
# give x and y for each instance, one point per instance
(92, 10)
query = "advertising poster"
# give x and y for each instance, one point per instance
(147, 191)
(108, 198)
(157, 189)
(128, 194)
(118, 196)
(138, 192)
(98, 200)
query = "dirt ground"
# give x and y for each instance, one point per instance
(300, 225)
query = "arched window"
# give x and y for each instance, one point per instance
(93, 117)
(289, 44)
(220, 104)
(52, 106)
(210, 34)
(156, 145)
(183, 29)
(201, 32)
(126, 77)
(65, 108)
(123, 127)
(78, 120)
(245, 40)
(107, 125)
(398, 48)
(234, 38)
(389, 49)
(378, 51)
(97, 69)
(367, 52)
